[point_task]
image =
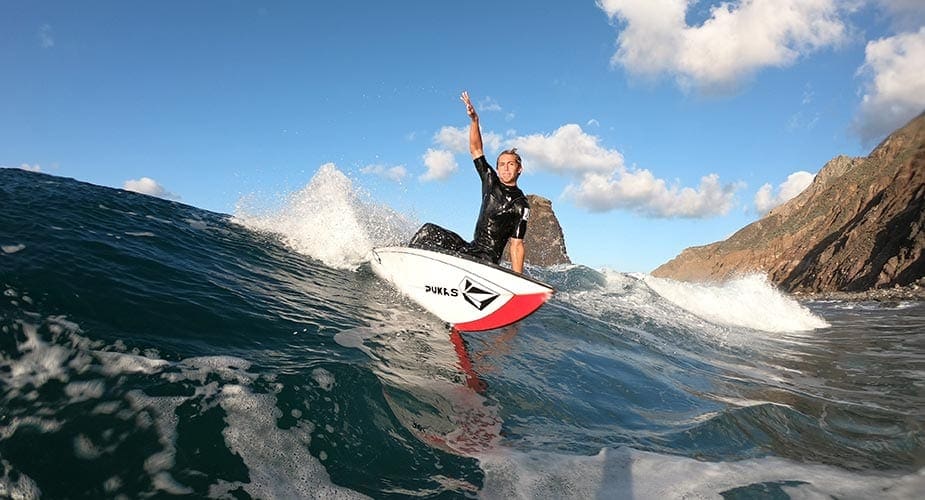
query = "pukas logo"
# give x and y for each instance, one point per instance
(442, 290)
(476, 294)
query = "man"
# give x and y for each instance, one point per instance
(504, 213)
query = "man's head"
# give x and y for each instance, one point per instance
(509, 166)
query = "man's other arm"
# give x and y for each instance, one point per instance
(517, 255)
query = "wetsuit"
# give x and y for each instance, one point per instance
(503, 215)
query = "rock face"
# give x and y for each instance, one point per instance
(544, 242)
(860, 225)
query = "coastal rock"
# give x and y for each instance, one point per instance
(544, 242)
(858, 226)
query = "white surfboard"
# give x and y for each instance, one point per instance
(469, 294)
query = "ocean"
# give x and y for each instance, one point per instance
(152, 349)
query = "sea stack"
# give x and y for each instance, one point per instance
(544, 242)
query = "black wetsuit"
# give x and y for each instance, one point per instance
(503, 215)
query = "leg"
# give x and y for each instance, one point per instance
(432, 236)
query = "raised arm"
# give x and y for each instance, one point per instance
(475, 134)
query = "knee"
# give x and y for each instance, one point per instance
(422, 235)
(427, 229)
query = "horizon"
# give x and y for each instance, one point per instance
(650, 128)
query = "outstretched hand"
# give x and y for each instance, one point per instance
(470, 109)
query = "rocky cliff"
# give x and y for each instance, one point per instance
(858, 226)
(544, 242)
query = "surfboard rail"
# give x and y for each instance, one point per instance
(470, 294)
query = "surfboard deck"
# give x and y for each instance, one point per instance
(469, 294)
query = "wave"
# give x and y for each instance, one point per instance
(749, 301)
(102, 380)
(152, 349)
(714, 310)
(329, 219)
(628, 473)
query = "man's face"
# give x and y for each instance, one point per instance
(508, 169)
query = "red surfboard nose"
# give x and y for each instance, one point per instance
(516, 309)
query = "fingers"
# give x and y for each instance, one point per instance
(470, 109)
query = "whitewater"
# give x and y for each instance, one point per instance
(152, 349)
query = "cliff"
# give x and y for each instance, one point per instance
(858, 226)
(544, 242)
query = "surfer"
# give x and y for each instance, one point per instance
(504, 212)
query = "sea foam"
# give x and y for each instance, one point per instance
(629, 473)
(329, 219)
(278, 460)
(749, 301)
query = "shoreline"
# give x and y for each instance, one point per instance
(914, 292)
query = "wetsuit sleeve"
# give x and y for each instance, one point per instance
(483, 168)
(520, 230)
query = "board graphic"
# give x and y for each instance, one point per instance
(469, 294)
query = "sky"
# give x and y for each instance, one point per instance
(652, 125)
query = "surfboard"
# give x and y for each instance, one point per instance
(469, 294)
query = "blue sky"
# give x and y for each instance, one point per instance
(651, 125)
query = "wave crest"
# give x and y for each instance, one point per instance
(329, 219)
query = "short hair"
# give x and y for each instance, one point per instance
(512, 151)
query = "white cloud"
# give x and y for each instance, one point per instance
(606, 184)
(796, 183)
(440, 164)
(735, 42)
(640, 191)
(27, 167)
(568, 150)
(808, 94)
(896, 84)
(489, 104)
(149, 186)
(396, 173)
(803, 120)
(453, 138)
(457, 139)
(46, 37)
